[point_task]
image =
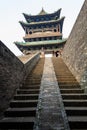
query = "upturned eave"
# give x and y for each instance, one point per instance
(25, 24)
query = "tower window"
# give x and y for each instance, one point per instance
(30, 32)
(55, 30)
(58, 28)
(26, 31)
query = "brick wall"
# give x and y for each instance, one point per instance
(12, 73)
(75, 51)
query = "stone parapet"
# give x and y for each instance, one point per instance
(28, 66)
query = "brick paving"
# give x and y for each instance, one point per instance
(50, 110)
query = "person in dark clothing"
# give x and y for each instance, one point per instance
(53, 53)
(57, 53)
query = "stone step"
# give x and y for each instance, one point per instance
(20, 112)
(32, 83)
(76, 103)
(26, 96)
(69, 86)
(78, 122)
(74, 96)
(30, 87)
(63, 74)
(27, 91)
(20, 123)
(74, 99)
(72, 91)
(23, 103)
(76, 111)
(67, 81)
(38, 75)
(30, 77)
(33, 76)
(64, 78)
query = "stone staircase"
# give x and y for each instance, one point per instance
(74, 98)
(22, 111)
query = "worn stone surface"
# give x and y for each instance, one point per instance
(12, 74)
(25, 58)
(75, 51)
(50, 110)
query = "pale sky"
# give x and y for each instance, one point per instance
(11, 13)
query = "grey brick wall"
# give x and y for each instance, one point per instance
(75, 51)
(12, 74)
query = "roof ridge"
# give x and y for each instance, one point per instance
(42, 12)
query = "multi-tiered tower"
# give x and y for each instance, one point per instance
(42, 31)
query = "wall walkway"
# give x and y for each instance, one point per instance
(50, 112)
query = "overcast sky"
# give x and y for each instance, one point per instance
(11, 13)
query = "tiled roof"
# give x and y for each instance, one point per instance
(42, 22)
